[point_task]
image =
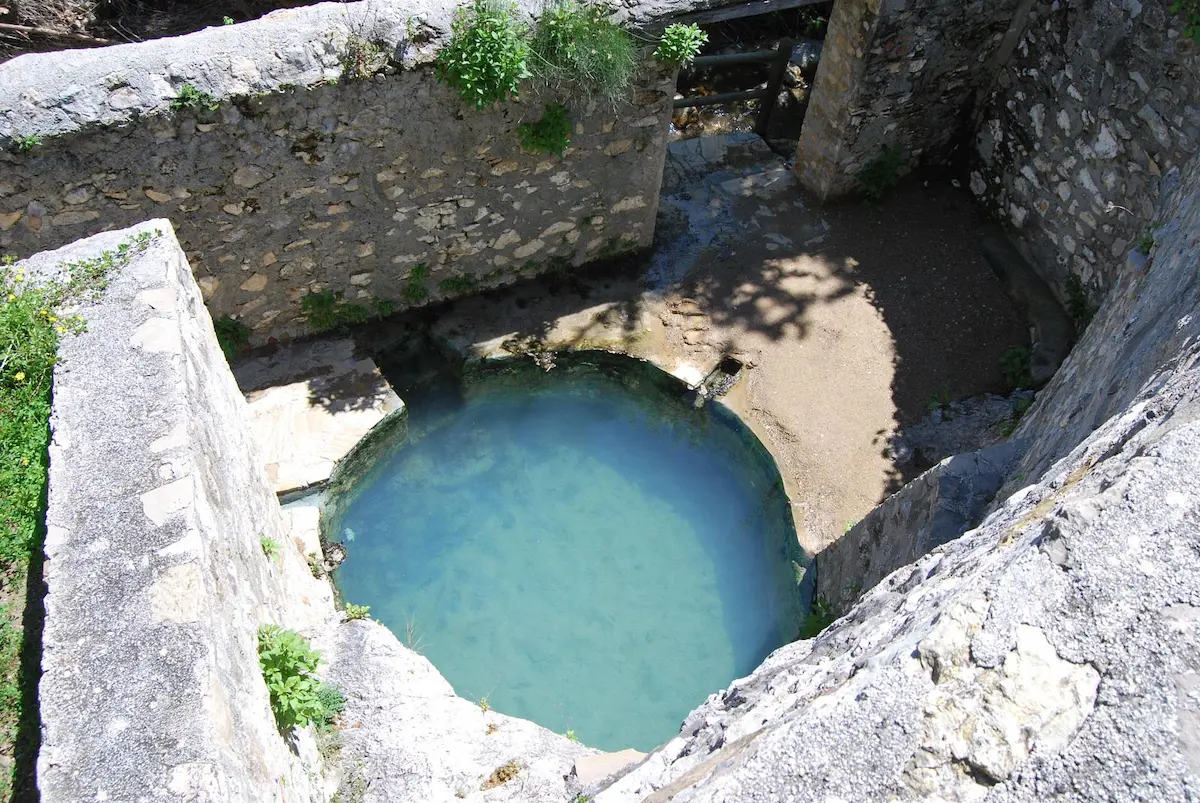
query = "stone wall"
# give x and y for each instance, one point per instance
(896, 73)
(1098, 101)
(388, 191)
(1015, 662)
(157, 578)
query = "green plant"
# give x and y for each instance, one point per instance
(550, 134)
(331, 702)
(485, 59)
(484, 705)
(940, 401)
(579, 46)
(1020, 407)
(414, 290)
(881, 175)
(457, 285)
(1077, 303)
(1145, 240)
(1015, 364)
(1190, 11)
(289, 667)
(314, 565)
(232, 335)
(191, 98)
(582, 798)
(362, 58)
(571, 735)
(356, 612)
(326, 311)
(270, 547)
(680, 44)
(226, 20)
(27, 142)
(820, 616)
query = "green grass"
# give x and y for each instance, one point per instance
(550, 134)
(32, 322)
(191, 98)
(579, 47)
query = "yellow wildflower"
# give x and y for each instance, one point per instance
(12, 297)
(20, 376)
(53, 319)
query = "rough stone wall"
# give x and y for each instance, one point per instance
(1098, 101)
(1051, 653)
(301, 183)
(895, 73)
(156, 574)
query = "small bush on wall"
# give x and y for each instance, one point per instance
(580, 47)
(551, 134)
(485, 59)
(680, 44)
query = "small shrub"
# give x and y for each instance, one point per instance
(226, 20)
(881, 174)
(580, 47)
(289, 668)
(191, 98)
(356, 612)
(232, 335)
(1145, 241)
(820, 616)
(314, 565)
(940, 401)
(485, 59)
(680, 44)
(571, 735)
(1015, 365)
(414, 290)
(270, 547)
(484, 705)
(1077, 304)
(457, 285)
(362, 58)
(332, 703)
(27, 142)
(502, 774)
(1190, 11)
(326, 311)
(550, 134)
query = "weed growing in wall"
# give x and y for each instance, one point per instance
(1190, 11)
(270, 547)
(550, 134)
(680, 44)
(414, 290)
(33, 319)
(362, 58)
(820, 616)
(1077, 303)
(356, 612)
(578, 46)
(289, 667)
(457, 285)
(27, 143)
(191, 98)
(232, 335)
(326, 311)
(1015, 364)
(881, 175)
(486, 57)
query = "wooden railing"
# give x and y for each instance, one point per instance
(777, 58)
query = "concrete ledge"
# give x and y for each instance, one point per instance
(156, 574)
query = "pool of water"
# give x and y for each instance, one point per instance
(582, 548)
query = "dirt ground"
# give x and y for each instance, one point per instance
(854, 317)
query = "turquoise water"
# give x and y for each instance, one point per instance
(593, 556)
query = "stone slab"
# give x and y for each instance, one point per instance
(310, 404)
(590, 769)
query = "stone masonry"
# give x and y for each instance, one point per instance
(1098, 101)
(895, 73)
(388, 192)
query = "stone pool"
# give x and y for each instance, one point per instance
(580, 547)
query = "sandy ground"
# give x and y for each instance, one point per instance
(853, 316)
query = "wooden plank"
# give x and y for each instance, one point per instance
(740, 10)
(724, 97)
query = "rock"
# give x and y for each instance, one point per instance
(590, 769)
(250, 176)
